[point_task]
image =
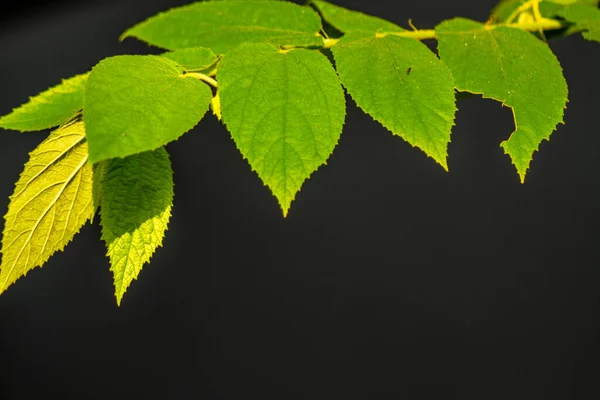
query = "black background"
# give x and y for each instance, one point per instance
(389, 279)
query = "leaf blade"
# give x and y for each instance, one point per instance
(399, 69)
(139, 103)
(285, 111)
(48, 109)
(222, 26)
(136, 202)
(347, 21)
(56, 182)
(501, 63)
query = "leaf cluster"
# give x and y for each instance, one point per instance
(275, 73)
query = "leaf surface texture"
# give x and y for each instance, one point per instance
(136, 202)
(285, 111)
(52, 200)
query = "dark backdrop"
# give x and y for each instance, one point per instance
(389, 279)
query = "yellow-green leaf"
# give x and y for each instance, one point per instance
(352, 21)
(48, 109)
(52, 200)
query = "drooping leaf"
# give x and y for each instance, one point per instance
(347, 21)
(48, 109)
(285, 111)
(192, 59)
(505, 64)
(137, 196)
(585, 17)
(51, 202)
(134, 104)
(401, 84)
(224, 25)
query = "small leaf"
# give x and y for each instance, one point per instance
(49, 108)
(505, 8)
(139, 103)
(137, 196)
(224, 25)
(51, 202)
(401, 84)
(585, 17)
(285, 111)
(216, 106)
(347, 21)
(192, 59)
(504, 64)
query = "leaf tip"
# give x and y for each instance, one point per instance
(443, 161)
(119, 298)
(285, 205)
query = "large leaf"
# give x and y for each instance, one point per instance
(401, 84)
(347, 21)
(137, 196)
(223, 25)
(138, 103)
(49, 108)
(52, 201)
(285, 111)
(504, 64)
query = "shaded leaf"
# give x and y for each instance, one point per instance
(585, 17)
(137, 196)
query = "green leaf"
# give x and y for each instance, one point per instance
(401, 84)
(138, 103)
(347, 21)
(137, 196)
(506, 64)
(586, 18)
(192, 59)
(285, 111)
(224, 25)
(51, 202)
(49, 108)
(505, 8)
